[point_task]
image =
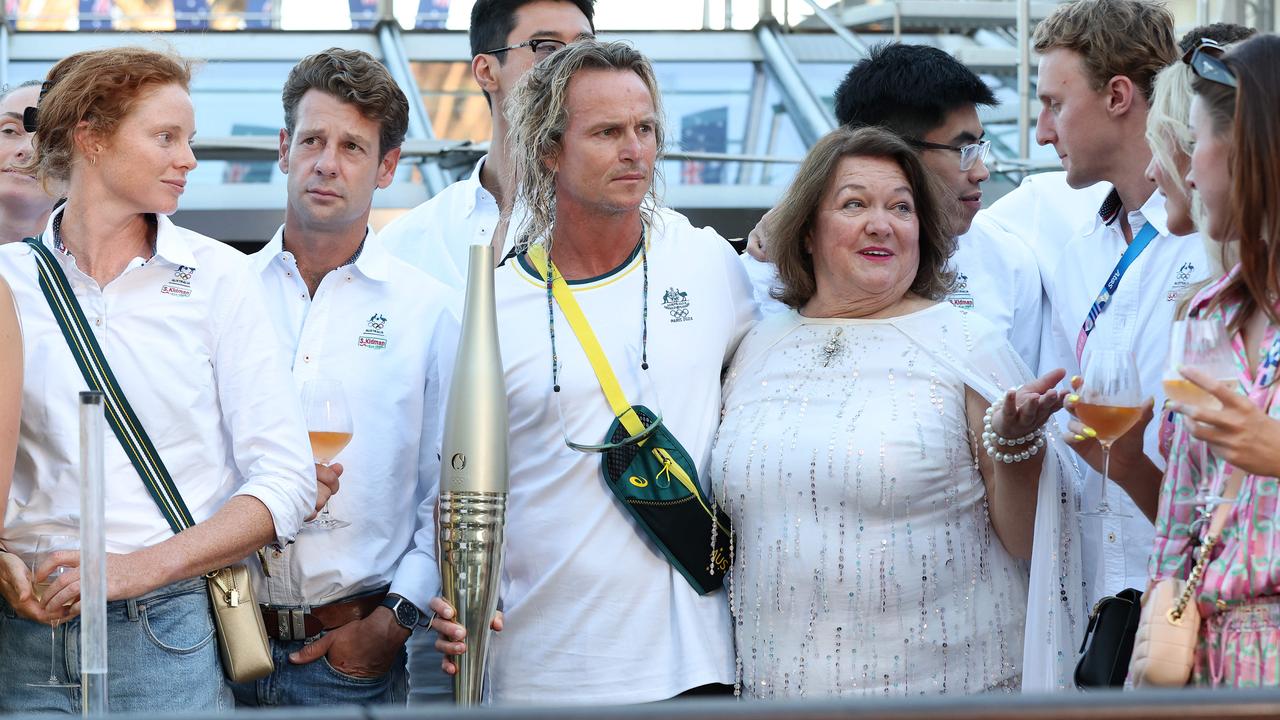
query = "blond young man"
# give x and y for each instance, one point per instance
(1098, 61)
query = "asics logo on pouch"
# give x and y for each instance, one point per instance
(961, 297)
(374, 335)
(1181, 281)
(180, 284)
(676, 301)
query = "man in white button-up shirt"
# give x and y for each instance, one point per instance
(507, 38)
(1098, 61)
(340, 602)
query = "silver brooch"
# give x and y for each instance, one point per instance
(833, 347)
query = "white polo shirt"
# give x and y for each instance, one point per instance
(595, 614)
(1075, 264)
(997, 278)
(389, 333)
(434, 236)
(184, 336)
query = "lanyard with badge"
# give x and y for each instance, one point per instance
(1140, 243)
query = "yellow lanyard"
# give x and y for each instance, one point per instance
(587, 338)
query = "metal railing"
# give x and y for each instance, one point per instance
(1113, 705)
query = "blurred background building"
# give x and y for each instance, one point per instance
(747, 84)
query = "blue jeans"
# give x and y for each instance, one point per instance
(162, 656)
(319, 683)
(427, 682)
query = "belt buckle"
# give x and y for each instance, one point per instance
(292, 624)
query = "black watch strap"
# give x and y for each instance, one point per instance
(406, 613)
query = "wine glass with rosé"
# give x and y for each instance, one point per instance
(1110, 404)
(1202, 344)
(330, 428)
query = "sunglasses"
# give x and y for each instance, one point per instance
(1205, 60)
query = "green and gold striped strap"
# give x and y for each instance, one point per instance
(97, 373)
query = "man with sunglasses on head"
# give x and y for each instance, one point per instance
(507, 38)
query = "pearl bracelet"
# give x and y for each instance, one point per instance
(1025, 447)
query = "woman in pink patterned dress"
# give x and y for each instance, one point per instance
(1235, 167)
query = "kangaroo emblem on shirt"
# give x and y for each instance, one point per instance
(961, 297)
(1181, 281)
(180, 284)
(676, 301)
(374, 335)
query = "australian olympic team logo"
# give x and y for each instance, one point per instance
(374, 335)
(676, 301)
(180, 284)
(961, 297)
(1181, 281)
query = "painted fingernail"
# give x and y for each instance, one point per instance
(1073, 398)
(1075, 379)
(1079, 438)
(1091, 432)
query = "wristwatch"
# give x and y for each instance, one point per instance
(406, 613)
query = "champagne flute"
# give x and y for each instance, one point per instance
(1110, 404)
(329, 425)
(46, 546)
(1204, 345)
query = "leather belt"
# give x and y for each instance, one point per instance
(305, 623)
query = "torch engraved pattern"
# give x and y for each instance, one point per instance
(473, 477)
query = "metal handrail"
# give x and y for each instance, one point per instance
(1187, 704)
(841, 31)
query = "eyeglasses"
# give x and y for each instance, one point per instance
(541, 47)
(1205, 60)
(969, 154)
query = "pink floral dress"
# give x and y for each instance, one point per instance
(1239, 596)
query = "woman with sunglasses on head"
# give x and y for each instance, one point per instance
(25, 202)
(1234, 449)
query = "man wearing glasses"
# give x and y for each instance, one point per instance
(931, 99)
(507, 38)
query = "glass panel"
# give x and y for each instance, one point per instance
(706, 110)
(823, 78)
(238, 99)
(708, 107)
(232, 99)
(457, 108)
(140, 15)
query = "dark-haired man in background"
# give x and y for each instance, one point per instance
(507, 38)
(929, 98)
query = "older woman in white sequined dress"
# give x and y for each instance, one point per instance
(880, 547)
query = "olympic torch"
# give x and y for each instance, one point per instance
(473, 477)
